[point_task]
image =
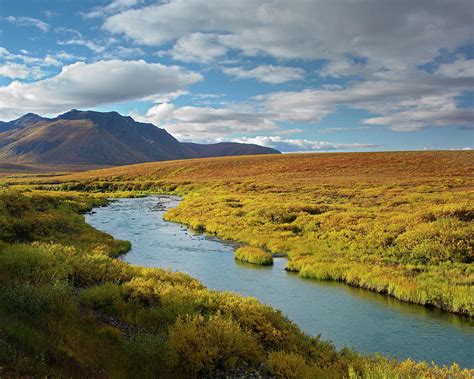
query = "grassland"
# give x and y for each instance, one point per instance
(396, 223)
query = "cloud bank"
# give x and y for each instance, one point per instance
(288, 145)
(82, 85)
(403, 33)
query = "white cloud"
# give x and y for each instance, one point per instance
(14, 70)
(48, 60)
(166, 97)
(426, 111)
(51, 61)
(124, 52)
(300, 145)
(50, 14)
(198, 47)
(384, 52)
(267, 73)
(113, 7)
(68, 56)
(462, 68)
(28, 21)
(403, 34)
(204, 123)
(409, 102)
(467, 148)
(91, 45)
(82, 85)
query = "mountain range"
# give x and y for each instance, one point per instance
(102, 138)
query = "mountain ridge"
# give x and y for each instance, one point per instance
(102, 138)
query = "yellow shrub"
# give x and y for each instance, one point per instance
(287, 365)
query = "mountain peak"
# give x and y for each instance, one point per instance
(97, 117)
(29, 117)
(76, 114)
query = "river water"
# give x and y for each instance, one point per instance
(347, 316)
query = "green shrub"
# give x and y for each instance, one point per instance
(148, 356)
(106, 297)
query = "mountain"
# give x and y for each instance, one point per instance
(101, 138)
(23, 121)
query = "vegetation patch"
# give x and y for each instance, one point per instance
(253, 255)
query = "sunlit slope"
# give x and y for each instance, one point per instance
(307, 168)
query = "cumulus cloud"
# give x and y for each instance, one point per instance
(404, 33)
(82, 85)
(14, 70)
(267, 73)
(198, 47)
(28, 21)
(300, 145)
(19, 71)
(204, 123)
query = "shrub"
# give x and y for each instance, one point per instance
(287, 365)
(204, 345)
(148, 356)
(106, 297)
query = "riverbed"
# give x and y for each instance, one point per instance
(357, 318)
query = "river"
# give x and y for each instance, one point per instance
(357, 318)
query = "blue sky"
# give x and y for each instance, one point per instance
(313, 75)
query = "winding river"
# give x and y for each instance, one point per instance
(348, 316)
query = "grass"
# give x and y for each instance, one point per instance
(253, 255)
(69, 308)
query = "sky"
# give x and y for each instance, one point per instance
(296, 75)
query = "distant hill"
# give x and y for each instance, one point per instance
(224, 149)
(98, 138)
